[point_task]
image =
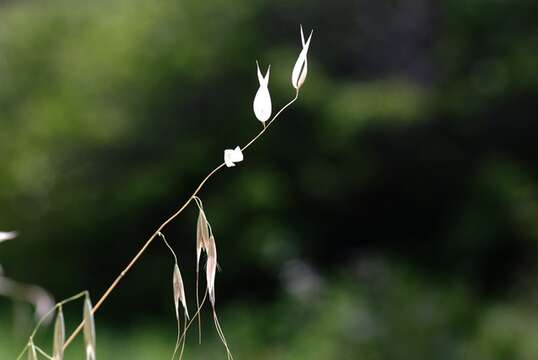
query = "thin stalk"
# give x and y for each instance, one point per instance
(221, 334)
(42, 352)
(176, 347)
(166, 222)
(197, 314)
(184, 337)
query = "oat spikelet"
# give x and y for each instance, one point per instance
(89, 330)
(262, 101)
(32, 353)
(300, 69)
(202, 238)
(59, 336)
(179, 292)
(211, 268)
(179, 295)
(202, 235)
(177, 282)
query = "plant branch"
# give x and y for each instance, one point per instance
(166, 222)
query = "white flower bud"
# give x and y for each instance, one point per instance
(262, 100)
(233, 156)
(300, 69)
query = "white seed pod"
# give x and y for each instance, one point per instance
(298, 75)
(211, 268)
(232, 156)
(89, 330)
(179, 292)
(262, 101)
(7, 235)
(59, 336)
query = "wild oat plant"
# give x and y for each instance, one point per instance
(205, 244)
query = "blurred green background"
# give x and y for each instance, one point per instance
(392, 213)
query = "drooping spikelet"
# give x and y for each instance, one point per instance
(59, 336)
(179, 291)
(89, 329)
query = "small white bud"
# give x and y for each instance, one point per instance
(262, 100)
(233, 156)
(300, 69)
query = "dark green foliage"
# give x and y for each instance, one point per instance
(415, 139)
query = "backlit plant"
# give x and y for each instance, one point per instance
(205, 243)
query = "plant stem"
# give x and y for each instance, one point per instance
(50, 312)
(166, 222)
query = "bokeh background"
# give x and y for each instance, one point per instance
(392, 213)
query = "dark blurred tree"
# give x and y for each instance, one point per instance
(415, 137)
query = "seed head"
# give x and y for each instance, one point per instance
(233, 156)
(300, 69)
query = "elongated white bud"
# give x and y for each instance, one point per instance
(262, 101)
(298, 75)
(89, 329)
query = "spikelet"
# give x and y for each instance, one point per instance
(32, 354)
(179, 292)
(89, 329)
(202, 238)
(211, 268)
(202, 235)
(298, 75)
(59, 336)
(262, 101)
